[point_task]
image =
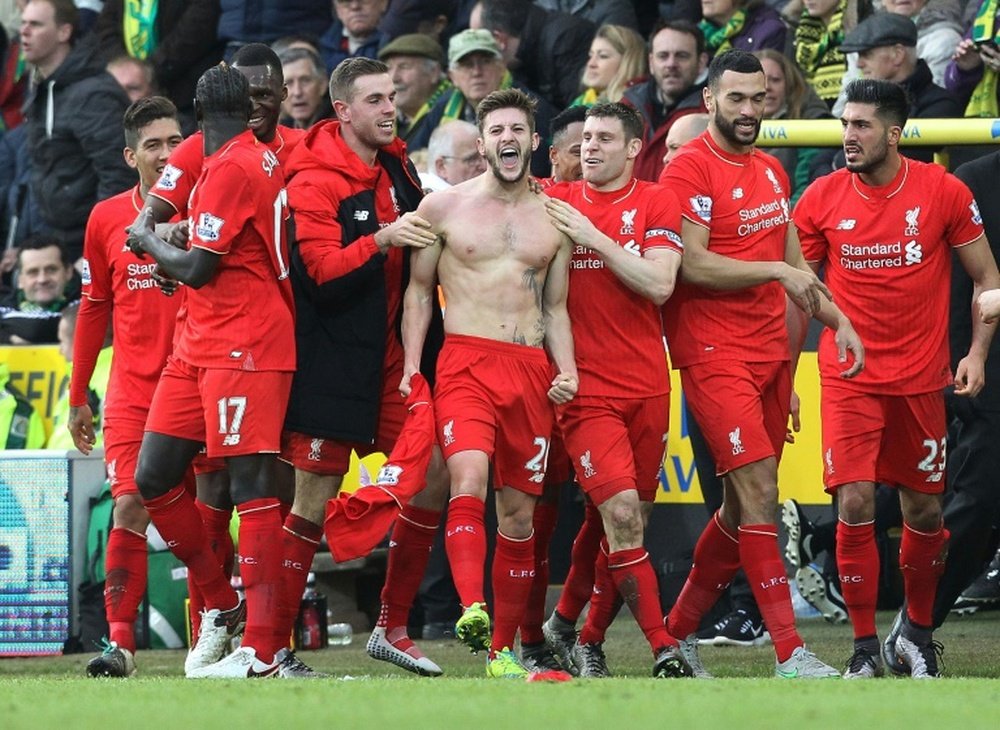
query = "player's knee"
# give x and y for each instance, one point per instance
(856, 506)
(516, 525)
(151, 481)
(923, 515)
(130, 513)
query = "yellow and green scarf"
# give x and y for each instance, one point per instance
(817, 51)
(718, 38)
(587, 98)
(139, 27)
(984, 97)
(456, 102)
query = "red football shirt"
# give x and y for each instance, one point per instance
(611, 323)
(142, 316)
(242, 319)
(743, 201)
(184, 166)
(887, 252)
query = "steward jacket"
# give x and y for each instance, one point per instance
(20, 425)
(339, 282)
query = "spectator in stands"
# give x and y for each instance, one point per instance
(74, 122)
(416, 66)
(617, 58)
(790, 97)
(818, 37)
(178, 38)
(29, 315)
(13, 82)
(20, 216)
(973, 72)
(133, 75)
(20, 425)
(429, 17)
(354, 31)
(748, 25)
(677, 64)
(476, 68)
(681, 132)
(939, 30)
(452, 156)
(545, 50)
(265, 21)
(306, 79)
(598, 12)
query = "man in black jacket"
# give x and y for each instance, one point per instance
(74, 116)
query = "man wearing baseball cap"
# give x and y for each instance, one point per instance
(416, 66)
(476, 68)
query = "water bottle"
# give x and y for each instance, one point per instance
(310, 628)
(339, 633)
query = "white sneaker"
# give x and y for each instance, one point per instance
(803, 664)
(291, 667)
(216, 630)
(822, 593)
(241, 664)
(689, 650)
(864, 664)
(412, 659)
(922, 661)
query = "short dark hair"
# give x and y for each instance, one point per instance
(679, 25)
(629, 117)
(64, 12)
(143, 113)
(507, 99)
(298, 53)
(40, 241)
(258, 54)
(892, 105)
(506, 16)
(224, 91)
(741, 62)
(561, 121)
(350, 70)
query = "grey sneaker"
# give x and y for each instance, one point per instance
(922, 661)
(803, 664)
(113, 661)
(539, 658)
(688, 649)
(217, 629)
(798, 549)
(291, 667)
(590, 661)
(670, 663)
(560, 637)
(984, 591)
(822, 593)
(889, 646)
(400, 651)
(864, 664)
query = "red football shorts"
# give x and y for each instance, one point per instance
(558, 470)
(492, 396)
(122, 440)
(616, 444)
(233, 412)
(741, 407)
(332, 457)
(894, 439)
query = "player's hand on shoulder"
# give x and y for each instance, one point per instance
(81, 428)
(989, 305)
(570, 221)
(804, 288)
(564, 387)
(409, 229)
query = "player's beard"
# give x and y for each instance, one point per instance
(727, 128)
(874, 158)
(493, 159)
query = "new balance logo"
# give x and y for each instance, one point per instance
(361, 215)
(847, 224)
(734, 439)
(232, 439)
(829, 461)
(633, 248)
(935, 477)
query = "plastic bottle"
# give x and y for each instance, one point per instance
(310, 628)
(339, 633)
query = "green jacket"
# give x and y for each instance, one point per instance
(20, 425)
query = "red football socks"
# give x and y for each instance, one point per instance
(605, 601)
(858, 566)
(300, 539)
(921, 561)
(126, 565)
(580, 580)
(716, 560)
(513, 574)
(178, 522)
(260, 569)
(765, 571)
(465, 543)
(409, 551)
(544, 523)
(636, 583)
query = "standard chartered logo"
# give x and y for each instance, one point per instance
(914, 253)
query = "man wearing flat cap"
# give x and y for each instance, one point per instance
(416, 66)
(476, 68)
(886, 44)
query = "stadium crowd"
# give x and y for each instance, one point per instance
(230, 350)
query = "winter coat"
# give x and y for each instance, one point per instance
(657, 120)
